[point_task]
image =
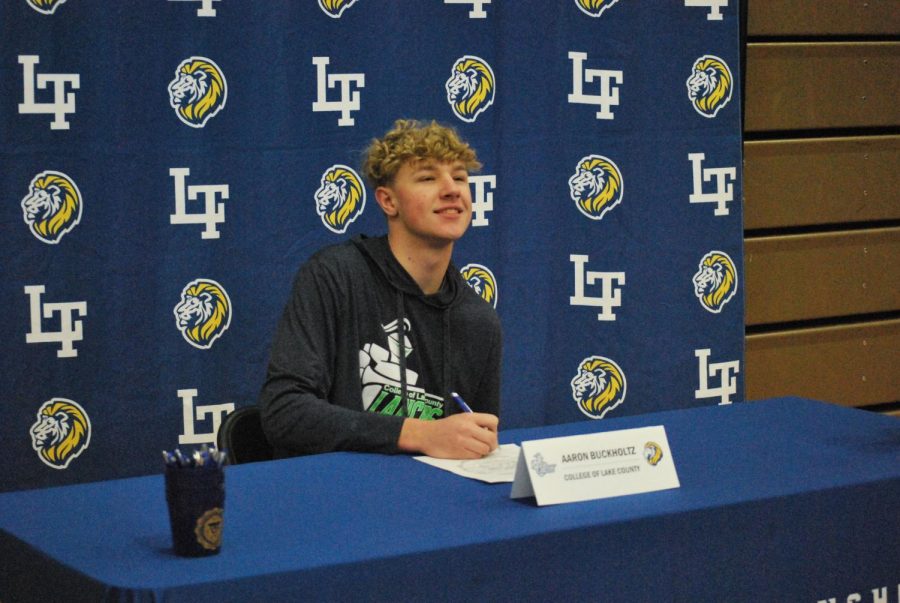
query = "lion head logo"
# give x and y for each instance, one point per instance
(341, 198)
(710, 85)
(52, 207)
(482, 280)
(594, 8)
(716, 281)
(335, 8)
(61, 433)
(653, 453)
(470, 89)
(598, 387)
(596, 186)
(204, 312)
(198, 91)
(45, 6)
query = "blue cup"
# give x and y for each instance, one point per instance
(196, 500)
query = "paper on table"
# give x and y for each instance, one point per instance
(499, 466)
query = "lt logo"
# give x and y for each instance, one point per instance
(724, 371)
(610, 294)
(482, 199)
(205, 9)
(723, 177)
(63, 102)
(477, 11)
(349, 99)
(609, 93)
(715, 7)
(190, 413)
(69, 327)
(213, 211)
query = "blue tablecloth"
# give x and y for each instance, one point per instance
(781, 500)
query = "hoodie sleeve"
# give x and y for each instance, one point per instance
(297, 416)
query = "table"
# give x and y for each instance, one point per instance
(780, 500)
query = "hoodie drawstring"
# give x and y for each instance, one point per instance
(401, 324)
(445, 360)
(446, 373)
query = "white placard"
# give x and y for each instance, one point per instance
(597, 465)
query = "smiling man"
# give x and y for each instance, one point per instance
(379, 331)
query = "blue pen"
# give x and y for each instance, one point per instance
(462, 403)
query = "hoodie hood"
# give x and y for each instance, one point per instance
(378, 251)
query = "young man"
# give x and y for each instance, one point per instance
(379, 331)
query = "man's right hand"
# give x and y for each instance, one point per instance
(459, 436)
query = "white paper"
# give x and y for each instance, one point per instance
(497, 467)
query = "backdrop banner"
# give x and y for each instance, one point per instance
(167, 165)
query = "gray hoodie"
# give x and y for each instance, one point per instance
(338, 377)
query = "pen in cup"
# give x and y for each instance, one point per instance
(459, 401)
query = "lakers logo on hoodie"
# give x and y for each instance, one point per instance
(380, 376)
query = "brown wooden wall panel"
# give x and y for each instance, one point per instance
(801, 86)
(821, 275)
(805, 182)
(855, 365)
(822, 17)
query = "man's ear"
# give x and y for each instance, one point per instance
(384, 196)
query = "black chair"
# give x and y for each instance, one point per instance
(241, 436)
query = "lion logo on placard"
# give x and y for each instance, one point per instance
(198, 92)
(596, 186)
(341, 198)
(61, 433)
(45, 6)
(653, 453)
(471, 87)
(594, 8)
(52, 207)
(482, 281)
(715, 283)
(598, 387)
(204, 313)
(710, 85)
(335, 8)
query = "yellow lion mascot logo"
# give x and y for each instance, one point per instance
(596, 186)
(598, 387)
(341, 198)
(52, 207)
(335, 8)
(710, 85)
(62, 432)
(471, 87)
(482, 281)
(653, 453)
(198, 91)
(715, 283)
(204, 313)
(46, 7)
(594, 8)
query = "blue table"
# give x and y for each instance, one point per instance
(782, 500)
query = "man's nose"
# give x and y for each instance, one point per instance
(450, 187)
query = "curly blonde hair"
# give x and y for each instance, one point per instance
(414, 140)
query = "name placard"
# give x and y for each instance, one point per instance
(597, 465)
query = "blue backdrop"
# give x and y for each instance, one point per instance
(166, 169)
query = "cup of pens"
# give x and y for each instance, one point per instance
(195, 493)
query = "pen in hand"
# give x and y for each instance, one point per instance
(462, 403)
